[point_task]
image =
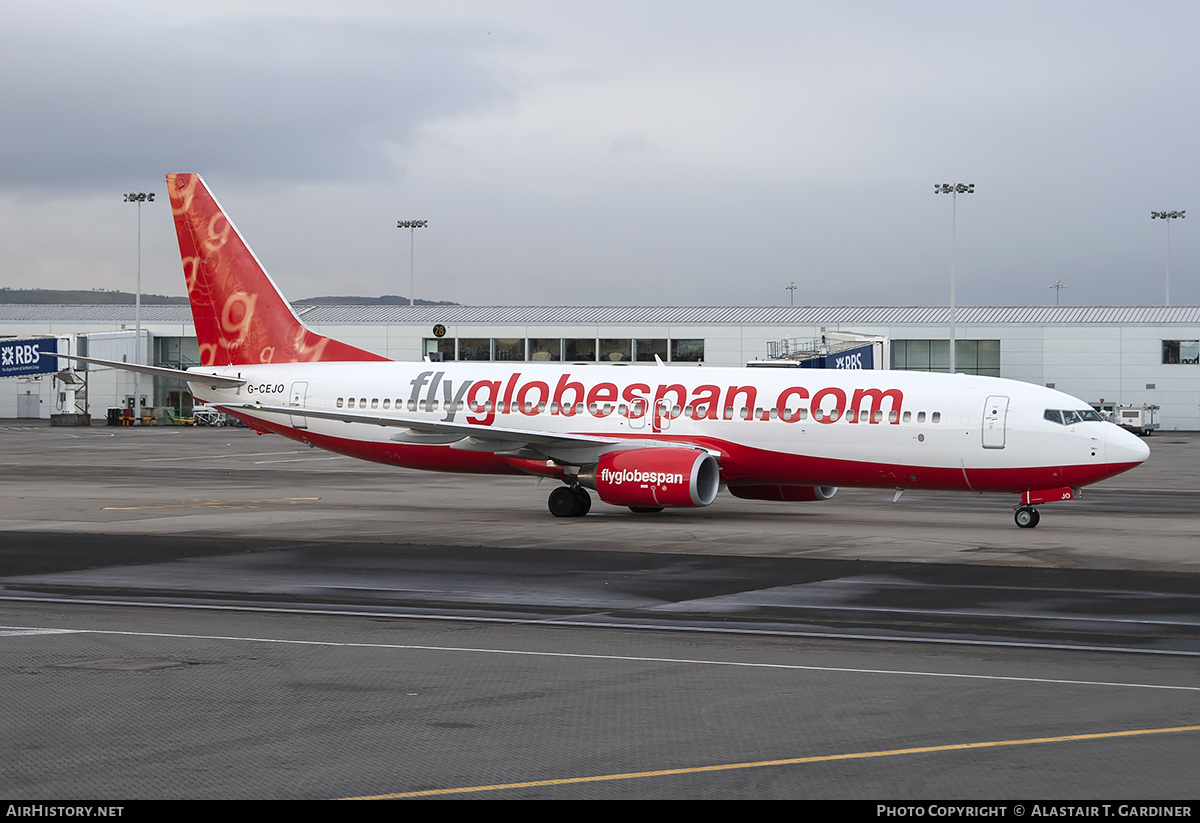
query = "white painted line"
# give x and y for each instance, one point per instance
(221, 456)
(688, 661)
(301, 460)
(1014, 615)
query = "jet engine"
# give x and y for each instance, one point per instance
(783, 493)
(654, 478)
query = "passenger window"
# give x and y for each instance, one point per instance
(387, 403)
(374, 402)
(936, 417)
(340, 402)
(892, 416)
(412, 405)
(350, 403)
(362, 402)
(920, 417)
(908, 417)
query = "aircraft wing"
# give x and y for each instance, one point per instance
(214, 380)
(571, 449)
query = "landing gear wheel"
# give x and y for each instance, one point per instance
(1027, 517)
(585, 501)
(645, 509)
(569, 501)
(563, 502)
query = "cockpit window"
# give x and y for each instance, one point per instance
(1069, 417)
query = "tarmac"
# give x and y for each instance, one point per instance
(205, 613)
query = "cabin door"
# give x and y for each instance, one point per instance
(296, 399)
(995, 412)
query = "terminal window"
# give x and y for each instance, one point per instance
(569, 349)
(1181, 352)
(970, 356)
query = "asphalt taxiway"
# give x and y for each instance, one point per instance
(208, 613)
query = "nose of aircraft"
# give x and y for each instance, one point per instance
(1121, 446)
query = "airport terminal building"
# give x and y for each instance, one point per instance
(1126, 355)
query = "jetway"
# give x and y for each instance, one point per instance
(832, 350)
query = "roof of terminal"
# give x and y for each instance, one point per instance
(641, 315)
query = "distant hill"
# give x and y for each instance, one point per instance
(85, 297)
(103, 297)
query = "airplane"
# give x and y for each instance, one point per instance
(642, 437)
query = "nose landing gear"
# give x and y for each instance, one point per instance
(1027, 517)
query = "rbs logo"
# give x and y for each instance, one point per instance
(21, 355)
(26, 357)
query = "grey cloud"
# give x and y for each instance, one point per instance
(320, 100)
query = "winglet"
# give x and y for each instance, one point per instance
(241, 317)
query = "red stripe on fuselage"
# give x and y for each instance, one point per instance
(740, 465)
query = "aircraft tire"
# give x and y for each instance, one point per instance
(585, 501)
(1027, 517)
(563, 502)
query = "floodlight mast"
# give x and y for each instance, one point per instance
(139, 198)
(954, 190)
(412, 226)
(1167, 217)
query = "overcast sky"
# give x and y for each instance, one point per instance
(616, 153)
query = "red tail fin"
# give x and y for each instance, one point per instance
(241, 318)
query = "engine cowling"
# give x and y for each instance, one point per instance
(655, 477)
(795, 494)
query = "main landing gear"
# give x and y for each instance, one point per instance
(1027, 517)
(570, 501)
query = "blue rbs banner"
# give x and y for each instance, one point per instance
(862, 357)
(20, 357)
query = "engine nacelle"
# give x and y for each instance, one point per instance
(655, 477)
(783, 493)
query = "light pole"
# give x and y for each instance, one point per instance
(412, 226)
(139, 198)
(792, 295)
(954, 190)
(1058, 287)
(1167, 217)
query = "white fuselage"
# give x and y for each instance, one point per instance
(779, 426)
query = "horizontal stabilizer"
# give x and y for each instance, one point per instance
(214, 380)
